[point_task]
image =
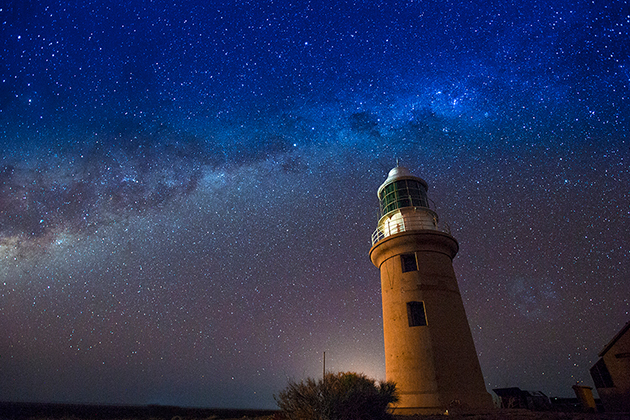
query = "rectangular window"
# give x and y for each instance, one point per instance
(415, 314)
(408, 262)
(601, 375)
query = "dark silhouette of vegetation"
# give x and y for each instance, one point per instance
(344, 395)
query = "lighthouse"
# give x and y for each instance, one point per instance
(429, 350)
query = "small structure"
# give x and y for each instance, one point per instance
(585, 397)
(515, 397)
(611, 373)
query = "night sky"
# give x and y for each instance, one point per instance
(188, 188)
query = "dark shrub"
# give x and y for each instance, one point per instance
(339, 396)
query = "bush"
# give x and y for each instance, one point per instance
(344, 395)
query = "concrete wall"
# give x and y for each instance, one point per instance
(435, 366)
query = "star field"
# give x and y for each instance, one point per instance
(188, 190)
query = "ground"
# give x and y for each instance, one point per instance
(30, 411)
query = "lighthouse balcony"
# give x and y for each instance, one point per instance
(408, 219)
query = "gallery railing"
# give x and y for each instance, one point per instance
(390, 229)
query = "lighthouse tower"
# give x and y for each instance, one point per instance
(429, 350)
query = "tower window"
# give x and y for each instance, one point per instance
(416, 314)
(408, 262)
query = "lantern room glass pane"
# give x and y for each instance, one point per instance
(403, 193)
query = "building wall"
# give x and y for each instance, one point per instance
(617, 360)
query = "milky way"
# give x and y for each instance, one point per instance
(187, 191)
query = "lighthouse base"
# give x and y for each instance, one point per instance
(430, 404)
